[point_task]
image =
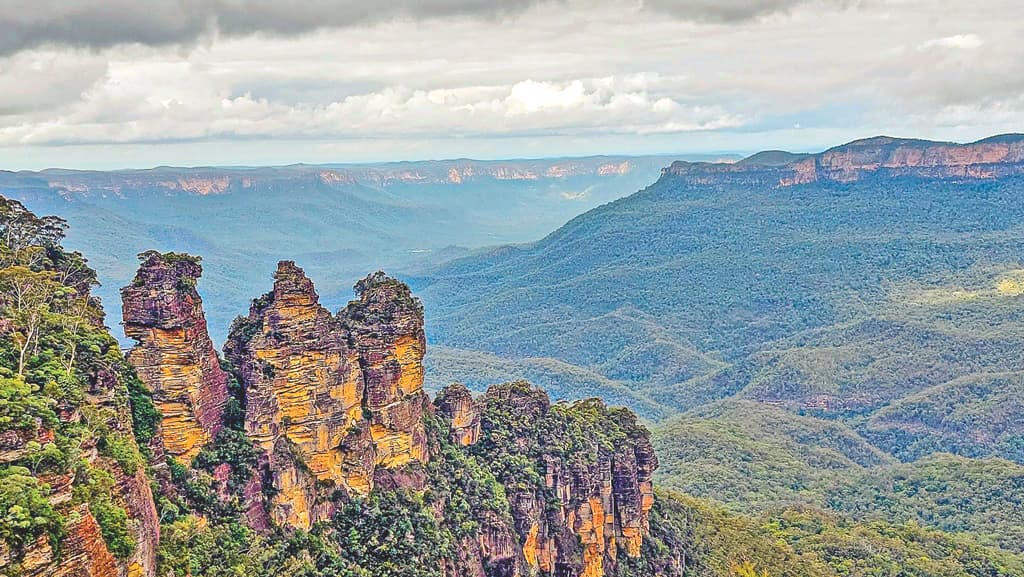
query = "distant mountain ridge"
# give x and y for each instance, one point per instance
(880, 156)
(224, 180)
(338, 219)
(895, 268)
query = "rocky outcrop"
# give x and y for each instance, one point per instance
(335, 405)
(457, 406)
(175, 357)
(303, 396)
(585, 499)
(882, 156)
(385, 327)
(333, 401)
(82, 552)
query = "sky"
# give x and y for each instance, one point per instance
(136, 83)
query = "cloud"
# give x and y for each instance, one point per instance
(554, 77)
(39, 82)
(732, 11)
(98, 24)
(105, 23)
(122, 108)
(957, 41)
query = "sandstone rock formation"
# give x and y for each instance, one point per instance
(220, 181)
(330, 399)
(595, 466)
(174, 356)
(882, 156)
(456, 404)
(82, 551)
(335, 405)
(385, 326)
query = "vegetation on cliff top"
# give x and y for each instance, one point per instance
(64, 402)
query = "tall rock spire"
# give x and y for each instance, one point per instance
(174, 356)
(386, 328)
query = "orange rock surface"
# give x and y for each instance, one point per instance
(174, 356)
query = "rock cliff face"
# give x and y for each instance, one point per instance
(82, 551)
(584, 499)
(330, 400)
(219, 181)
(335, 405)
(882, 156)
(457, 405)
(174, 356)
(385, 327)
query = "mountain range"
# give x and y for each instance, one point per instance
(819, 352)
(836, 283)
(339, 220)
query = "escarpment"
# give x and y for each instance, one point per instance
(75, 497)
(104, 481)
(578, 476)
(175, 357)
(996, 157)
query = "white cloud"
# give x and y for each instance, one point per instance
(124, 108)
(957, 41)
(558, 77)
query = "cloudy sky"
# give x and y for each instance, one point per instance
(136, 83)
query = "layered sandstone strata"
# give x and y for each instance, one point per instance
(385, 327)
(593, 501)
(174, 356)
(330, 400)
(457, 405)
(882, 156)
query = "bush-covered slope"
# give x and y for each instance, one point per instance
(727, 267)
(976, 416)
(954, 494)
(752, 456)
(73, 484)
(759, 459)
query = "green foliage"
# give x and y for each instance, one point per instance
(954, 494)
(123, 450)
(22, 408)
(391, 533)
(462, 482)
(145, 416)
(879, 548)
(705, 539)
(25, 512)
(748, 454)
(753, 458)
(718, 268)
(57, 357)
(976, 416)
(188, 547)
(96, 488)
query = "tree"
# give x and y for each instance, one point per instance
(23, 233)
(25, 299)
